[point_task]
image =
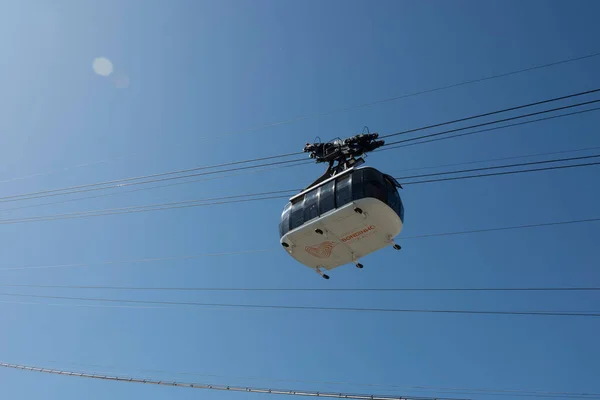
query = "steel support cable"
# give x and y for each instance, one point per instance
(217, 387)
(243, 172)
(500, 166)
(501, 173)
(303, 162)
(552, 153)
(397, 146)
(82, 189)
(565, 61)
(289, 289)
(487, 114)
(181, 171)
(439, 390)
(129, 181)
(493, 122)
(244, 252)
(138, 209)
(244, 197)
(308, 308)
(454, 85)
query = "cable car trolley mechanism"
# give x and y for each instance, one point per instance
(347, 213)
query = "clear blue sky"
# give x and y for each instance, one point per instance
(201, 74)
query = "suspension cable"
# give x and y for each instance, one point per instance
(311, 308)
(166, 175)
(304, 393)
(487, 114)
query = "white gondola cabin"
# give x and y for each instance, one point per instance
(342, 219)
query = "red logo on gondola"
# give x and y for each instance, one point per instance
(359, 233)
(322, 250)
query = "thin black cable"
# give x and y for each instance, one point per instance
(227, 388)
(504, 228)
(228, 199)
(489, 129)
(311, 308)
(487, 114)
(303, 162)
(453, 390)
(491, 77)
(501, 173)
(113, 182)
(552, 153)
(151, 188)
(134, 209)
(262, 289)
(345, 109)
(493, 122)
(129, 181)
(499, 166)
(82, 189)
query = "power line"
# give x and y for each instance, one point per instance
(94, 186)
(490, 129)
(498, 159)
(244, 198)
(247, 289)
(309, 308)
(502, 173)
(243, 172)
(244, 252)
(487, 114)
(166, 175)
(494, 122)
(441, 88)
(304, 393)
(502, 166)
(303, 162)
(451, 390)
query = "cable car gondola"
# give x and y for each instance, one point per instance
(349, 212)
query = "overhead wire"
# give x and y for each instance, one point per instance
(437, 389)
(501, 166)
(291, 289)
(94, 187)
(312, 308)
(493, 122)
(552, 153)
(122, 192)
(441, 88)
(487, 114)
(402, 145)
(281, 194)
(228, 388)
(306, 162)
(552, 168)
(166, 175)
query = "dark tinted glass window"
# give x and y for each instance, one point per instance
(326, 198)
(374, 185)
(394, 200)
(358, 191)
(343, 194)
(297, 215)
(401, 211)
(310, 205)
(284, 226)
